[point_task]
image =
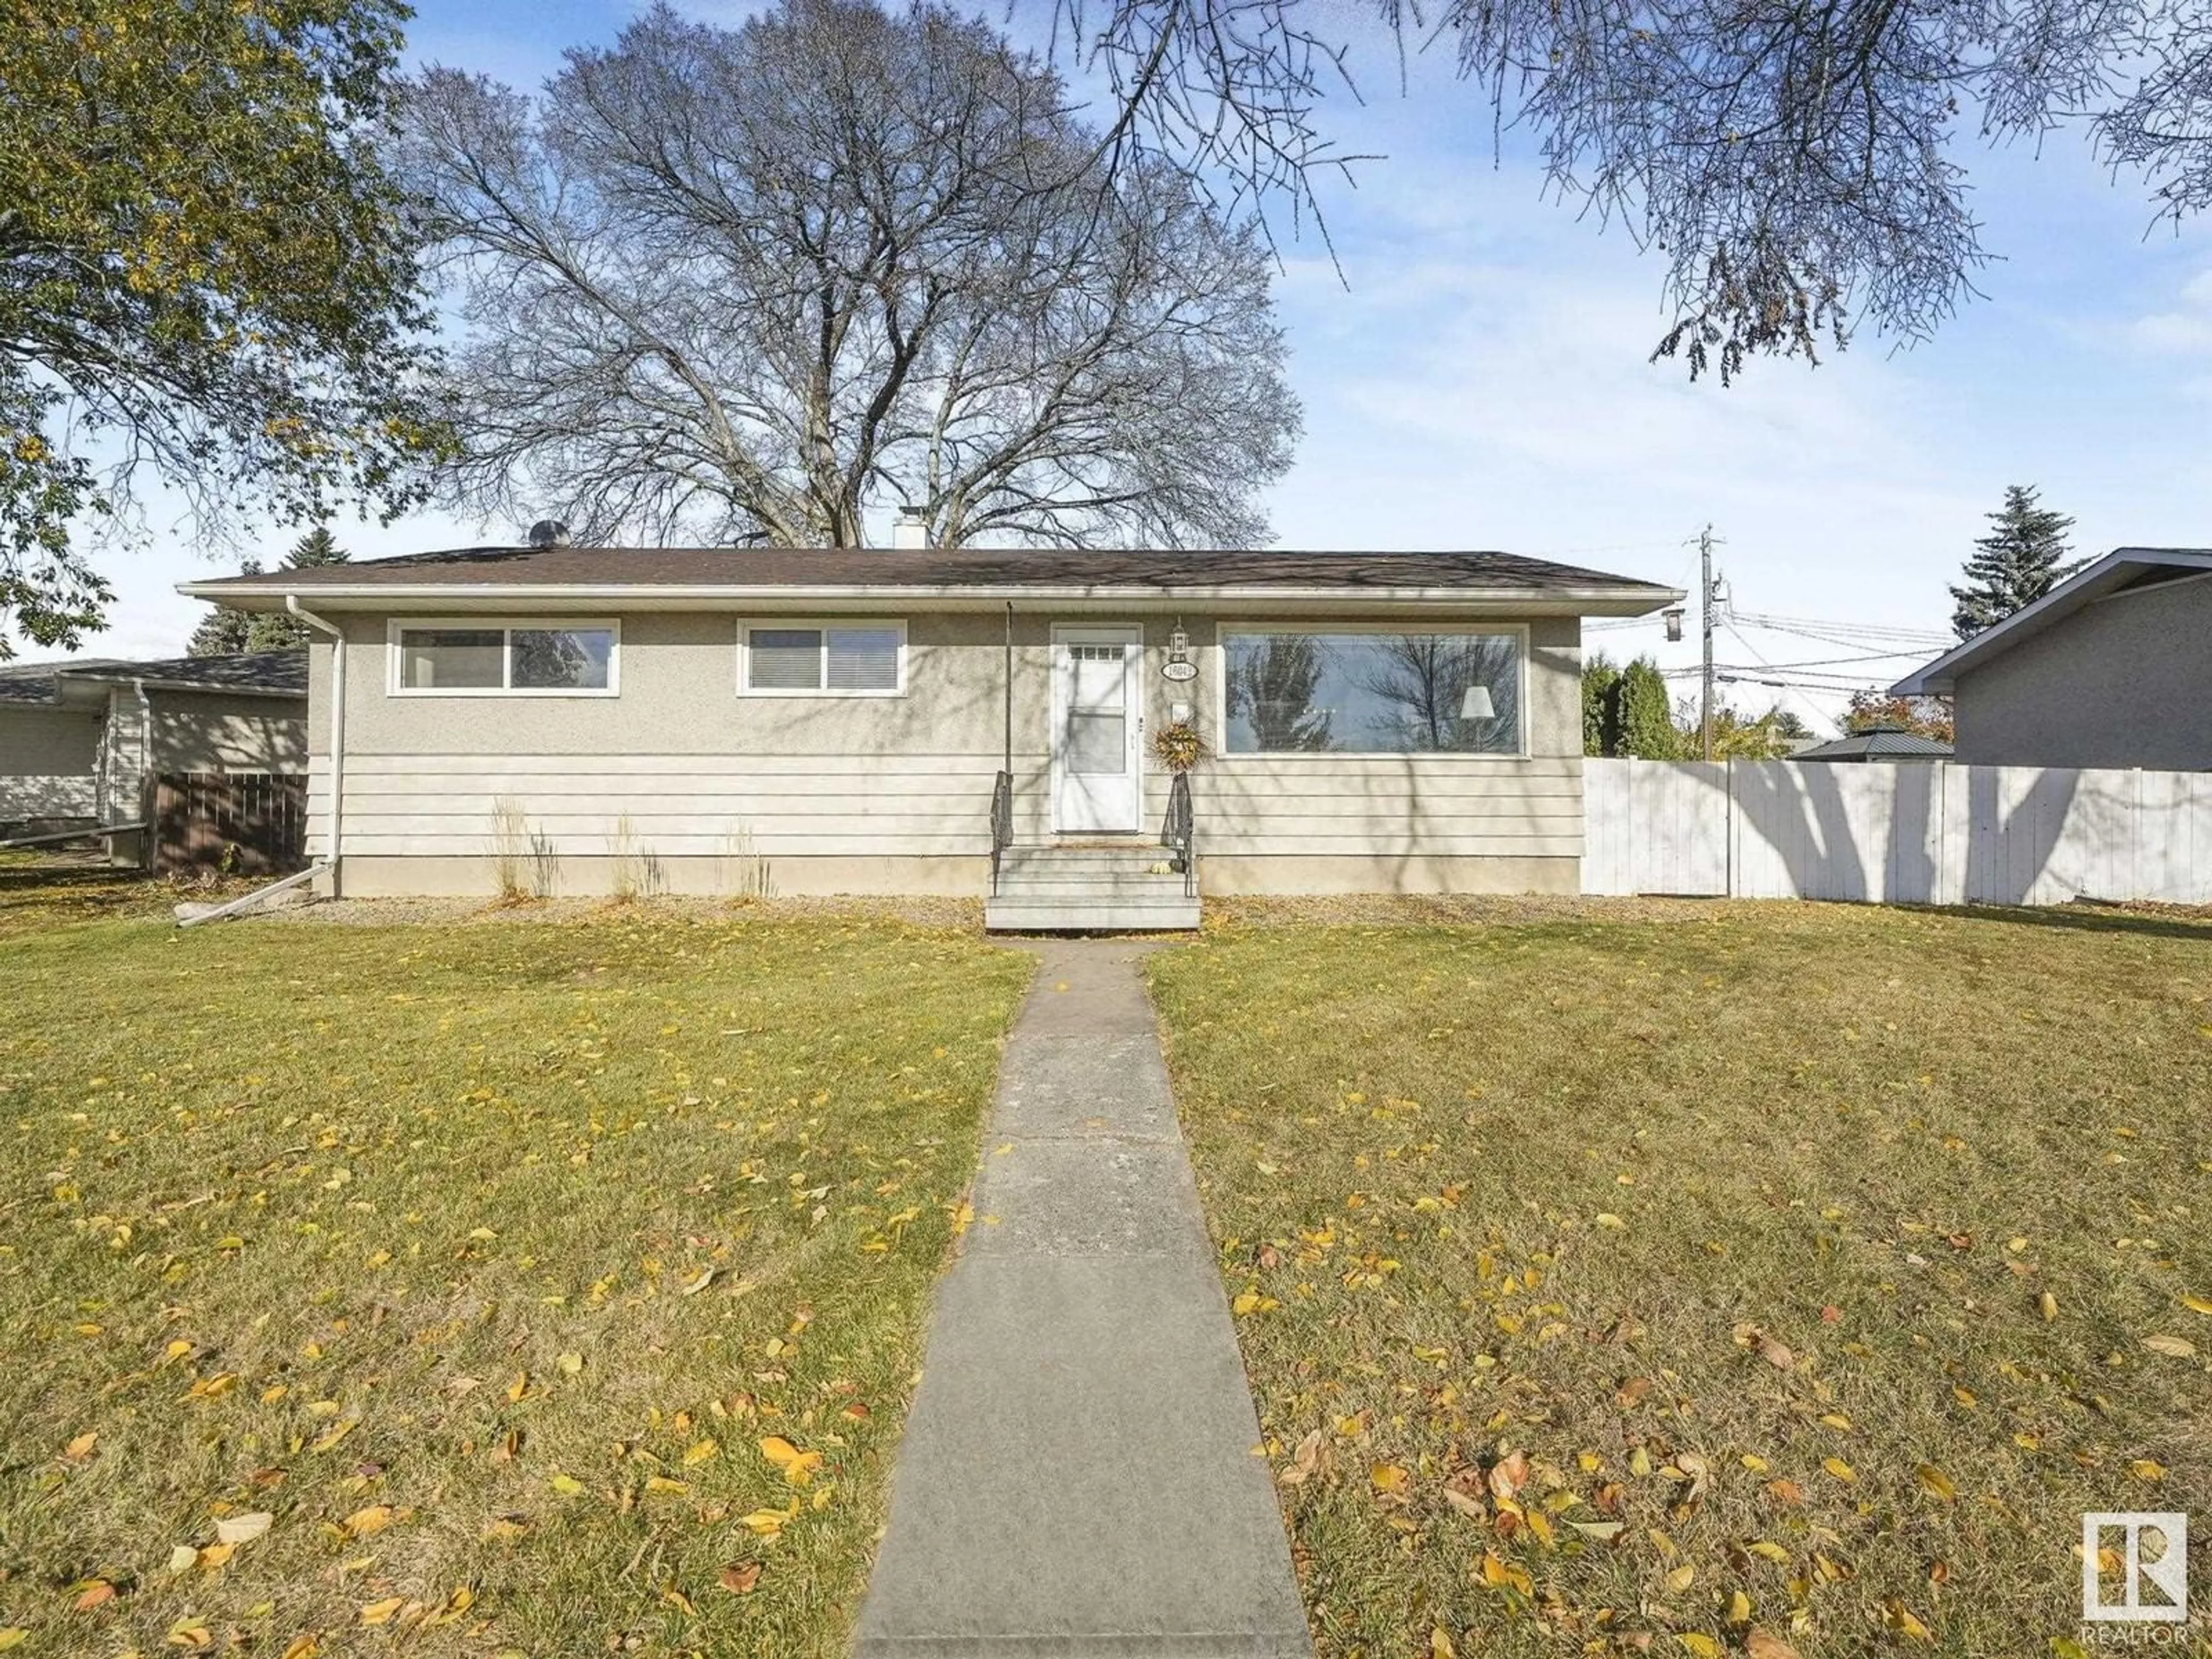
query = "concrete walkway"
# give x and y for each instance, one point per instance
(1078, 1476)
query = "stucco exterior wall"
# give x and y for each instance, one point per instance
(49, 763)
(208, 732)
(893, 794)
(2118, 683)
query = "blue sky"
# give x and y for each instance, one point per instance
(1481, 383)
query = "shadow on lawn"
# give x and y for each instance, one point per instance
(44, 891)
(2096, 918)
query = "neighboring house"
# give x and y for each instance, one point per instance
(2109, 669)
(81, 740)
(1876, 743)
(839, 722)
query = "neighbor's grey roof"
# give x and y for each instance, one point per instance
(261, 673)
(2118, 571)
(33, 682)
(1882, 744)
(983, 572)
(270, 674)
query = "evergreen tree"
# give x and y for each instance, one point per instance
(1646, 717)
(2022, 558)
(1626, 713)
(224, 632)
(1601, 706)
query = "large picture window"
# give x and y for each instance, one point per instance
(542, 659)
(855, 659)
(1371, 692)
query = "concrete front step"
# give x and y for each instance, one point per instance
(1093, 889)
(1104, 884)
(1014, 915)
(1083, 858)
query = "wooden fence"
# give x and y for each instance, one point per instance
(1912, 834)
(251, 822)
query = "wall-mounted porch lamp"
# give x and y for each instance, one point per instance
(1179, 666)
(1672, 616)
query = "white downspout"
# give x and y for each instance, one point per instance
(338, 730)
(149, 837)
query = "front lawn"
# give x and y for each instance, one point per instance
(532, 1289)
(43, 890)
(1783, 1278)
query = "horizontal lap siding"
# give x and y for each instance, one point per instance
(1439, 806)
(56, 796)
(676, 806)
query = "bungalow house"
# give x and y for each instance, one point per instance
(2107, 670)
(912, 720)
(82, 739)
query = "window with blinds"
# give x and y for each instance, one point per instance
(823, 659)
(542, 659)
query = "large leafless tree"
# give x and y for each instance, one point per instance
(1798, 164)
(758, 283)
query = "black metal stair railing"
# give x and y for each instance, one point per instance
(1002, 824)
(1179, 831)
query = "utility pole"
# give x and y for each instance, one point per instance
(1705, 593)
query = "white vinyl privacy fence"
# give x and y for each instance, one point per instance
(1913, 834)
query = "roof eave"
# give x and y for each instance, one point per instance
(202, 686)
(1941, 677)
(1610, 600)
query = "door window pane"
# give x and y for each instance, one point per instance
(561, 659)
(1098, 743)
(1373, 692)
(784, 660)
(452, 659)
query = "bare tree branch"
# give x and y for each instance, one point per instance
(753, 284)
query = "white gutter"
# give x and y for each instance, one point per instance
(338, 728)
(1588, 601)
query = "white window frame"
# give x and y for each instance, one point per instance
(823, 624)
(1411, 625)
(394, 676)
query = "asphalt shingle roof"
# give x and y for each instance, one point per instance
(281, 673)
(939, 568)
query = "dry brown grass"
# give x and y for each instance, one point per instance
(1608, 1283)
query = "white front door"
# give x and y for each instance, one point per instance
(1095, 727)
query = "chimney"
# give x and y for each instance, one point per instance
(548, 533)
(910, 530)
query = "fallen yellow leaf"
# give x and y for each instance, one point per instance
(798, 1466)
(243, 1528)
(363, 1522)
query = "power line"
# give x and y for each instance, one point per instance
(1793, 690)
(1829, 625)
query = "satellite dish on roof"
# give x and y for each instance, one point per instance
(548, 533)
